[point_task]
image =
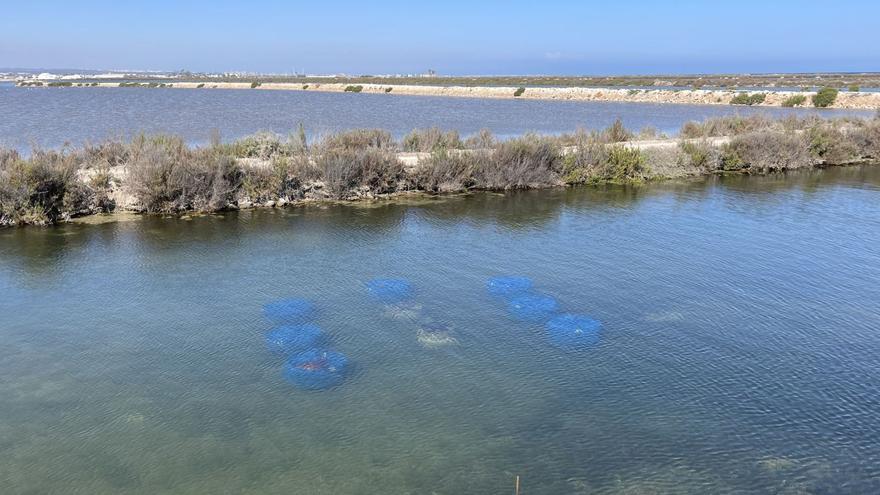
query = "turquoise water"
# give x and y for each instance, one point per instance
(740, 349)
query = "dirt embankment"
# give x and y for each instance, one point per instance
(845, 100)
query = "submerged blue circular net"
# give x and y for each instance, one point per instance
(508, 286)
(532, 307)
(390, 290)
(573, 331)
(289, 310)
(288, 339)
(316, 369)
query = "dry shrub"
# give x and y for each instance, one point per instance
(449, 171)
(616, 133)
(165, 176)
(866, 139)
(766, 151)
(700, 155)
(284, 177)
(593, 160)
(482, 140)
(263, 145)
(111, 153)
(521, 163)
(727, 126)
(41, 190)
(433, 139)
(359, 139)
(349, 173)
(829, 144)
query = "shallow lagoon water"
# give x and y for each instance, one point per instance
(50, 117)
(739, 351)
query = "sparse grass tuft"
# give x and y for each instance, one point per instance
(432, 139)
(794, 101)
(359, 139)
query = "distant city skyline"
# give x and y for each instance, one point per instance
(453, 38)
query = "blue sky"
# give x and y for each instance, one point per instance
(452, 37)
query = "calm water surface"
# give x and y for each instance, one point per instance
(740, 353)
(49, 117)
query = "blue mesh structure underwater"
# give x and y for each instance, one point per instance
(508, 285)
(532, 307)
(570, 331)
(292, 310)
(390, 290)
(316, 369)
(288, 339)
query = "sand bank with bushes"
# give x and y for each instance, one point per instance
(842, 99)
(162, 174)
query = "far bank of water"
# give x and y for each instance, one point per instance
(50, 117)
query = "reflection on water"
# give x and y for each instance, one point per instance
(738, 355)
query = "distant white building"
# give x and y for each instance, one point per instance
(46, 76)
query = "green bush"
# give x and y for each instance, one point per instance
(64, 84)
(625, 164)
(825, 97)
(200, 85)
(748, 99)
(794, 101)
(700, 155)
(354, 89)
(388, 90)
(830, 145)
(519, 92)
(305, 86)
(597, 162)
(854, 88)
(256, 84)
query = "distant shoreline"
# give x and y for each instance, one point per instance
(849, 100)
